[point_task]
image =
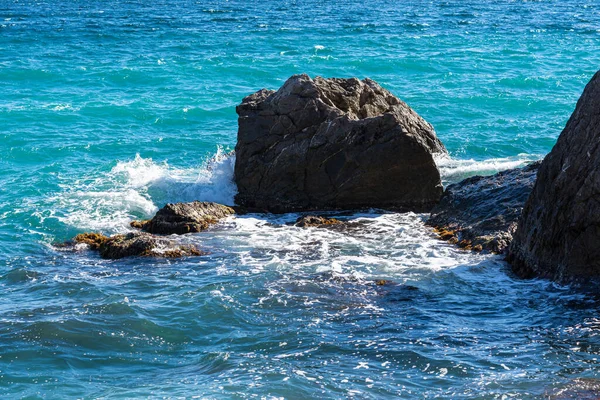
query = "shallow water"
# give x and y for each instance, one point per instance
(109, 112)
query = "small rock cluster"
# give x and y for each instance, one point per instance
(181, 218)
(316, 221)
(172, 219)
(135, 244)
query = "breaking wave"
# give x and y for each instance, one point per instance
(137, 188)
(454, 170)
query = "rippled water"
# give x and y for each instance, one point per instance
(108, 111)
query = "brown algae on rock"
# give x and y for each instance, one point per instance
(139, 244)
(480, 213)
(182, 218)
(92, 239)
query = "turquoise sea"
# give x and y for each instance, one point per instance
(110, 109)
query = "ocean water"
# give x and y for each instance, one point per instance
(109, 110)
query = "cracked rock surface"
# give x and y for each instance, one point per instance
(327, 144)
(181, 218)
(481, 212)
(133, 244)
(558, 236)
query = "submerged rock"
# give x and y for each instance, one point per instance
(180, 218)
(135, 244)
(558, 236)
(92, 239)
(316, 221)
(578, 389)
(334, 144)
(481, 212)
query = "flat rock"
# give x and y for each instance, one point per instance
(181, 218)
(558, 236)
(135, 244)
(331, 144)
(481, 212)
(316, 221)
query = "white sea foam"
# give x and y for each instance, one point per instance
(105, 211)
(140, 171)
(137, 188)
(453, 170)
(374, 245)
(377, 245)
(62, 107)
(213, 181)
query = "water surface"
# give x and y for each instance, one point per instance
(108, 111)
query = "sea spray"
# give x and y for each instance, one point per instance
(453, 170)
(212, 181)
(137, 188)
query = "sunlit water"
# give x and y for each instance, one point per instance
(108, 111)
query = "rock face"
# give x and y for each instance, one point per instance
(180, 218)
(334, 144)
(558, 236)
(481, 212)
(135, 244)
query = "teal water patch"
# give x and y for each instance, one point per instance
(109, 111)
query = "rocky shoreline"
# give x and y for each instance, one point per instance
(345, 144)
(481, 213)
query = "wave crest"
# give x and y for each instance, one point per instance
(454, 170)
(136, 188)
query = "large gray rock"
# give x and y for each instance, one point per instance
(334, 144)
(558, 236)
(181, 218)
(481, 212)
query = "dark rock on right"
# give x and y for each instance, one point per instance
(558, 235)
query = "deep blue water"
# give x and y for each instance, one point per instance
(108, 110)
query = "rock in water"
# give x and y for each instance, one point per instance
(334, 144)
(316, 221)
(180, 218)
(135, 244)
(558, 236)
(481, 212)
